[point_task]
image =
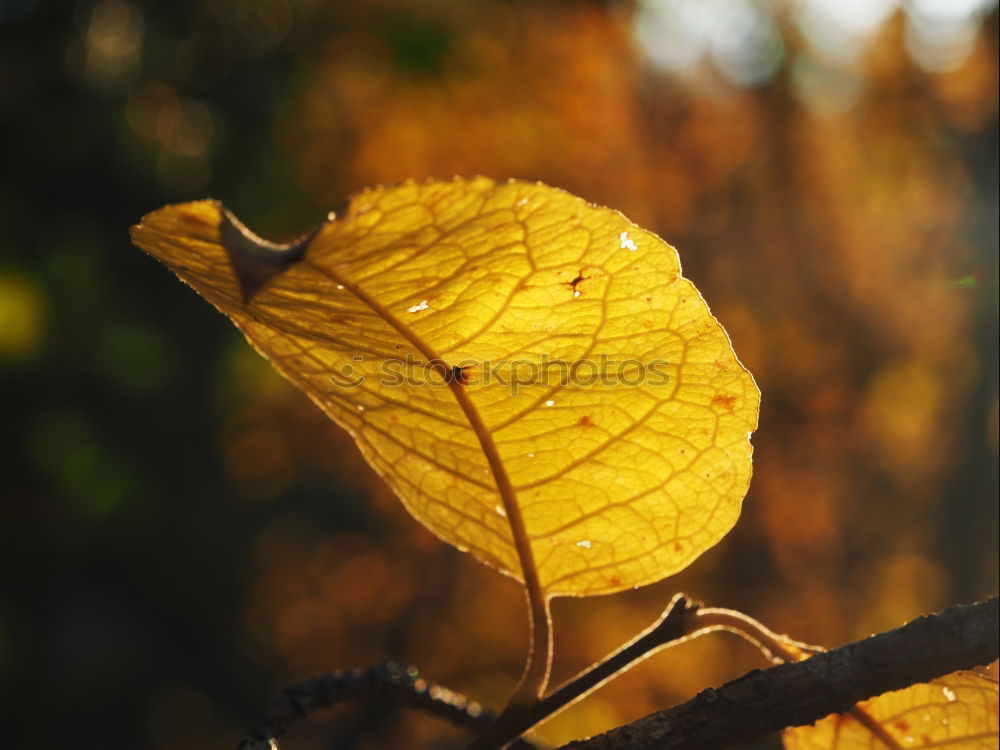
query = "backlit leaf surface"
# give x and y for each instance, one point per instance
(958, 712)
(620, 481)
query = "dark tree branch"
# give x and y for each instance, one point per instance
(382, 682)
(803, 692)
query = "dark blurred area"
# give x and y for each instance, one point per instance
(183, 534)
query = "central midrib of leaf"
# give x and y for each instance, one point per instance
(874, 726)
(504, 486)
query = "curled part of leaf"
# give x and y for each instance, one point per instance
(499, 350)
(958, 712)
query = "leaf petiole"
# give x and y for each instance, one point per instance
(776, 648)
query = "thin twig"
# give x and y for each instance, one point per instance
(674, 623)
(385, 681)
(681, 621)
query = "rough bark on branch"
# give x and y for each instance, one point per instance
(799, 693)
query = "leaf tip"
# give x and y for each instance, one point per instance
(255, 260)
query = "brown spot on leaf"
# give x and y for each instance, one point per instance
(577, 280)
(586, 421)
(726, 402)
(901, 725)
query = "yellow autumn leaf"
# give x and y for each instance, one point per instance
(958, 712)
(507, 356)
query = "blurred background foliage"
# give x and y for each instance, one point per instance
(183, 533)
